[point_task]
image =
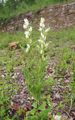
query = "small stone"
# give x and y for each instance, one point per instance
(66, 81)
(54, 104)
(57, 117)
(57, 96)
(71, 118)
(2, 76)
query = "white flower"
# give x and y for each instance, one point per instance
(42, 35)
(26, 21)
(30, 29)
(47, 30)
(41, 41)
(42, 25)
(26, 24)
(41, 51)
(27, 34)
(42, 20)
(28, 47)
(40, 29)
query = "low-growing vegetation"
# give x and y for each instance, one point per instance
(15, 7)
(38, 77)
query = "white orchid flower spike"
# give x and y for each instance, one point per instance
(26, 23)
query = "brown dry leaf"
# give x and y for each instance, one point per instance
(13, 45)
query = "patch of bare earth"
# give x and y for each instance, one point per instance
(61, 92)
(57, 16)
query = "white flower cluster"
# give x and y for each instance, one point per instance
(41, 43)
(28, 30)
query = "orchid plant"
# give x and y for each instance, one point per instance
(41, 42)
(35, 66)
(34, 71)
(28, 30)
